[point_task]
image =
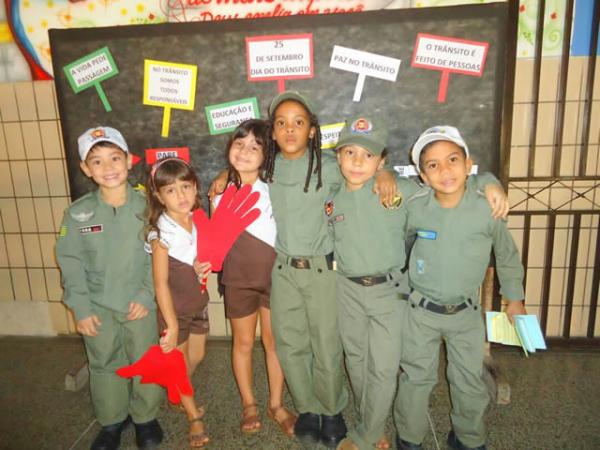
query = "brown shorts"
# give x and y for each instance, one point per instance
(241, 302)
(191, 305)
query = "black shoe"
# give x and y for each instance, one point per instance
(308, 428)
(333, 430)
(148, 435)
(401, 444)
(109, 437)
(455, 444)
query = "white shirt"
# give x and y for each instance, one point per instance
(180, 243)
(264, 227)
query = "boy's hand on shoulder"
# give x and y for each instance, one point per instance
(168, 340)
(385, 185)
(515, 309)
(136, 311)
(87, 326)
(498, 201)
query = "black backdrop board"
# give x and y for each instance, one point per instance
(409, 105)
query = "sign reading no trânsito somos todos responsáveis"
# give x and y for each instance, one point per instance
(449, 55)
(365, 64)
(90, 71)
(170, 85)
(279, 58)
(225, 117)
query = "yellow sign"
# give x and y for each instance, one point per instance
(169, 85)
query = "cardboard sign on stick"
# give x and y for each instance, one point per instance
(225, 117)
(449, 55)
(156, 154)
(365, 64)
(279, 58)
(90, 71)
(170, 85)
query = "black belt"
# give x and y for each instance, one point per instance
(369, 280)
(444, 309)
(304, 263)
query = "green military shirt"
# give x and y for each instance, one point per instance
(452, 248)
(301, 227)
(100, 251)
(368, 238)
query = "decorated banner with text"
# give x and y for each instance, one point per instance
(190, 84)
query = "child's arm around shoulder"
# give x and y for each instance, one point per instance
(494, 193)
(71, 260)
(160, 273)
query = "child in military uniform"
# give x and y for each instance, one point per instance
(454, 235)
(107, 280)
(371, 284)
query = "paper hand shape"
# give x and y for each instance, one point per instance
(217, 234)
(165, 369)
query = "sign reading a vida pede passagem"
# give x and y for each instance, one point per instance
(449, 55)
(279, 58)
(90, 71)
(365, 64)
(225, 117)
(170, 85)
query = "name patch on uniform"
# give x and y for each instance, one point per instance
(91, 229)
(427, 234)
(336, 219)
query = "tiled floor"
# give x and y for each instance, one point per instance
(555, 402)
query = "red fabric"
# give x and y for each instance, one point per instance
(231, 217)
(165, 369)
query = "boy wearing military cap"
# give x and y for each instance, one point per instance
(107, 279)
(370, 255)
(454, 233)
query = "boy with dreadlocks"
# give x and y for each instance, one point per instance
(303, 298)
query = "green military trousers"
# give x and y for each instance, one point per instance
(303, 317)
(463, 333)
(121, 342)
(371, 320)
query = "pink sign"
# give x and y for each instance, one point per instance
(449, 55)
(279, 58)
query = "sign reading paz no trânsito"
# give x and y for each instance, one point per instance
(279, 58)
(225, 117)
(449, 55)
(170, 85)
(90, 71)
(330, 134)
(364, 64)
(156, 154)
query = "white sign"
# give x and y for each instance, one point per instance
(279, 57)
(411, 171)
(364, 64)
(450, 55)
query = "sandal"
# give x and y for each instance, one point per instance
(284, 418)
(200, 439)
(250, 422)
